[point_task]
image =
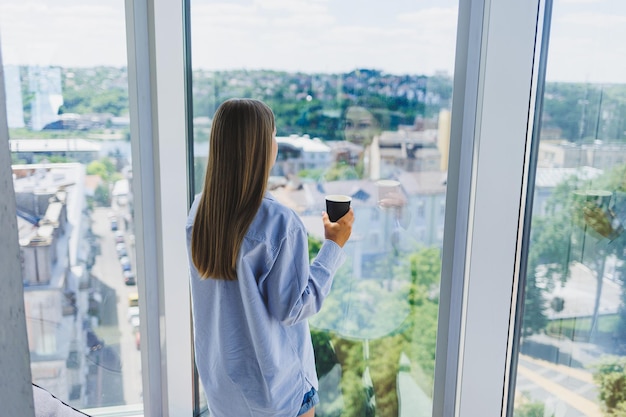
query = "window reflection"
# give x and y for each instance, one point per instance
(573, 337)
(67, 108)
(350, 121)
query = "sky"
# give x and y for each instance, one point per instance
(395, 36)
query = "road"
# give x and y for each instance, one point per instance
(565, 391)
(118, 366)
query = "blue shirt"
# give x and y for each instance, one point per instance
(252, 342)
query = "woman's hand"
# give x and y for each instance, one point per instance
(339, 231)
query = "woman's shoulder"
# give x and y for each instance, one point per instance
(275, 218)
(270, 206)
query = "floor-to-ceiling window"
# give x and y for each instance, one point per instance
(572, 333)
(65, 77)
(373, 83)
(362, 96)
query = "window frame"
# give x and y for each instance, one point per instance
(506, 78)
(156, 73)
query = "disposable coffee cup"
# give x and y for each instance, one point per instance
(387, 188)
(337, 205)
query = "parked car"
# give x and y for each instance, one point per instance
(129, 278)
(121, 250)
(133, 310)
(125, 262)
(119, 236)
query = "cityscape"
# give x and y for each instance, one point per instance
(365, 133)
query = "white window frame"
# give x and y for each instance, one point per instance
(157, 95)
(487, 178)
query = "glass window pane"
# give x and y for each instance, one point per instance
(361, 92)
(67, 105)
(572, 359)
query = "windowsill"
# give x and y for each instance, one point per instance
(132, 410)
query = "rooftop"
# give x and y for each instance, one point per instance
(551, 177)
(304, 142)
(53, 145)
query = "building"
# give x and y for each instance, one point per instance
(13, 87)
(297, 153)
(35, 150)
(45, 85)
(411, 151)
(565, 154)
(74, 121)
(423, 214)
(50, 201)
(547, 179)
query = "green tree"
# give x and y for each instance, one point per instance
(614, 243)
(574, 228)
(102, 196)
(610, 375)
(59, 159)
(530, 409)
(414, 307)
(104, 167)
(548, 260)
(314, 246)
(15, 160)
(584, 112)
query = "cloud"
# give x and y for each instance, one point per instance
(594, 19)
(276, 34)
(293, 6)
(226, 15)
(38, 33)
(435, 17)
(587, 47)
(578, 1)
(298, 35)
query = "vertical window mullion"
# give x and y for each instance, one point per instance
(498, 175)
(456, 224)
(158, 136)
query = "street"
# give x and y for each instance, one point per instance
(115, 368)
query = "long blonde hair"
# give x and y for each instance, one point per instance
(240, 153)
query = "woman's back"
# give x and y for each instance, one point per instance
(253, 347)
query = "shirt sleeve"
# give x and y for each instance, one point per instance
(296, 289)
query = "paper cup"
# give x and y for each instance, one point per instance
(337, 205)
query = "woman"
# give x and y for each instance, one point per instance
(251, 283)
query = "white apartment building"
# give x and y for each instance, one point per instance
(296, 153)
(50, 201)
(565, 154)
